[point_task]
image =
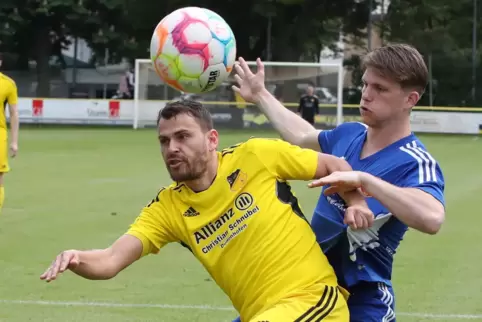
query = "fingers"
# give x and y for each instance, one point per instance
(360, 221)
(244, 66)
(59, 265)
(359, 217)
(332, 179)
(260, 66)
(236, 89)
(331, 190)
(370, 219)
(323, 182)
(239, 70)
(238, 80)
(350, 218)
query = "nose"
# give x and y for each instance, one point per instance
(173, 146)
(366, 93)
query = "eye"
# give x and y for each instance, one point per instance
(183, 136)
(164, 141)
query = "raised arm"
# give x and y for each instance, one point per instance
(290, 126)
(99, 264)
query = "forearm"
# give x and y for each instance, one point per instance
(95, 265)
(14, 126)
(291, 127)
(412, 206)
(334, 164)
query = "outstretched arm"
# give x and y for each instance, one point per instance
(99, 264)
(413, 206)
(290, 126)
(150, 232)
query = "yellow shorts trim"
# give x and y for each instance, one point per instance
(328, 303)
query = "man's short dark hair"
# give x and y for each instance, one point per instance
(400, 62)
(189, 107)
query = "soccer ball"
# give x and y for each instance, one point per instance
(193, 50)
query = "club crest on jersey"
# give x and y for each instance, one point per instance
(237, 180)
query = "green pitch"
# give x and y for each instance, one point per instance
(81, 188)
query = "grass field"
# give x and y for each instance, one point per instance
(81, 188)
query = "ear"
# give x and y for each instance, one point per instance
(213, 140)
(413, 98)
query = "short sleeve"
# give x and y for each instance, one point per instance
(152, 228)
(327, 139)
(286, 161)
(425, 174)
(12, 98)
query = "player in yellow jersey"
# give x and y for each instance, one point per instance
(237, 214)
(8, 97)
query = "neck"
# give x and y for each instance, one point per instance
(207, 179)
(391, 132)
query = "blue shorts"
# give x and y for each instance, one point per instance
(370, 302)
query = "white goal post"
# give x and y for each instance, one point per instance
(286, 80)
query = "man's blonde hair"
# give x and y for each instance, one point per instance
(401, 63)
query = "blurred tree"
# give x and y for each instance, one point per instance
(442, 32)
(298, 27)
(40, 29)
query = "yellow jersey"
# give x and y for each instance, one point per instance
(8, 95)
(247, 228)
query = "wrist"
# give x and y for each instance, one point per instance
(354, 198)
(262, 96)
(365, 179)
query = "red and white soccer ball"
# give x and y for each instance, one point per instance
(193, 50)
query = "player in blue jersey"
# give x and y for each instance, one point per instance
(403, 183)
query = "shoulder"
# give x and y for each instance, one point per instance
(7, 80)
(352, 127)
(251, 145)
(415, 157)
(166, 194)
(261, 149)
(263, 144)
(345, 131)
(414, 151)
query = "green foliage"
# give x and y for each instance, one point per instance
(40, 29)
(441, 30)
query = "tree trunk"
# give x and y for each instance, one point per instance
(43, 48)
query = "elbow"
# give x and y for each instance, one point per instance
(434, 223)
(338, 164)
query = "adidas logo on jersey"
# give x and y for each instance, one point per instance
(191, 212)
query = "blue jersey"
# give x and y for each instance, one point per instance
(405, 163)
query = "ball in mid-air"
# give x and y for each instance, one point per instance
(193, 50)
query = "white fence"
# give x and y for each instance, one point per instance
(121, 112)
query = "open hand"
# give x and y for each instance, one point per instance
(66, 260)
(340, 181)
(250, 85)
